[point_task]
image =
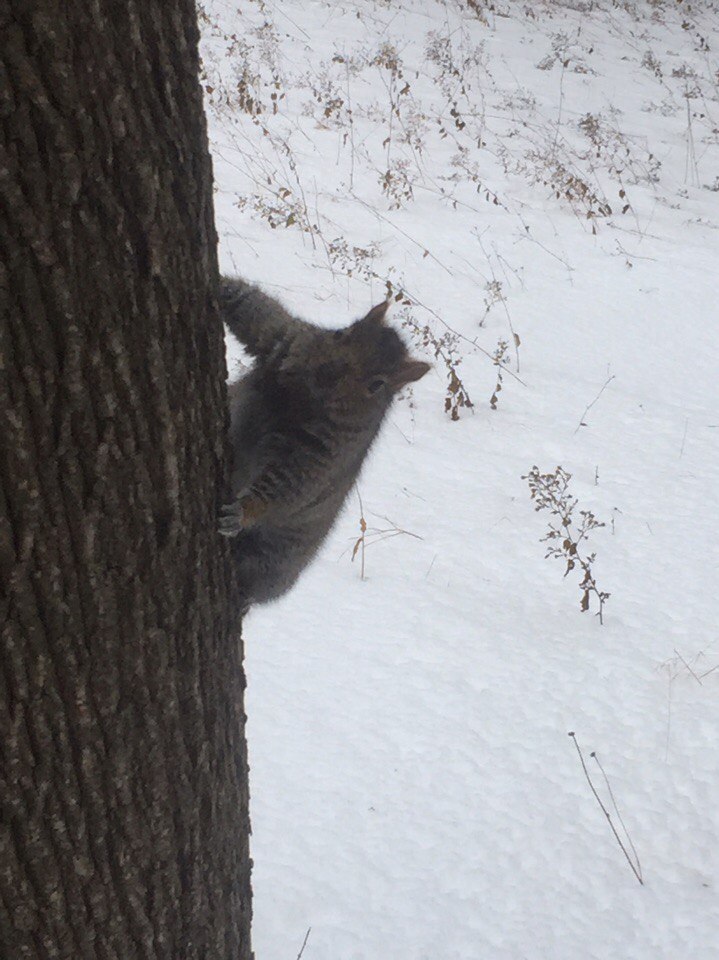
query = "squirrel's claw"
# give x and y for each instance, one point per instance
(231, 519)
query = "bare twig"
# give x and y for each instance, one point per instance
(371, 535)
(590, 405)
(594, 756)
(635, 871)
(360, 542)
(515, 338)
(691, 168)
(304, 944)
(698, 679)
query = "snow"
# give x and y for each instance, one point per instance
(415, 793)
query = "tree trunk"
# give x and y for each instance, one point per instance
(123, 774)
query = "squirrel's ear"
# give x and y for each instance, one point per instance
(376, 314)
(409, 371)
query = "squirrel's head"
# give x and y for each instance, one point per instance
(367, 363)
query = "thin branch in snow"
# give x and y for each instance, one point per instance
(594, 756)
(304, 943)
(589, 406)
(636, 869)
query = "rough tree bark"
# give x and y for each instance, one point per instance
(123, 776)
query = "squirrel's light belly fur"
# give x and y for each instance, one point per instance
(302, 421)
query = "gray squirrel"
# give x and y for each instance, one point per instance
(302, 421)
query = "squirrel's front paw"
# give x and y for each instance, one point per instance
(243, 512)
(231, 519)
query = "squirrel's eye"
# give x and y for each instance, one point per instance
(376, 384)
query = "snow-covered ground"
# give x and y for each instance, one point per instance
(543, 175)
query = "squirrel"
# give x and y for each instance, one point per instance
(302, 422)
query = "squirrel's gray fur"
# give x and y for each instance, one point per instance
(302, 421)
